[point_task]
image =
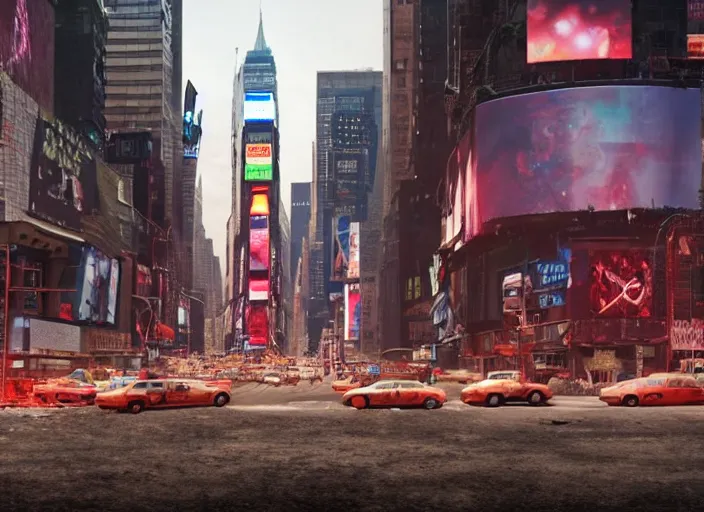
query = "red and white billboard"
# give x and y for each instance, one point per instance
(257, 318)
(695, 46)
(258, 289)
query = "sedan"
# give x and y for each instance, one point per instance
(164, 393)
(395, 393)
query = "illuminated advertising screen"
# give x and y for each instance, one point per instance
(258, 289)
(258, 243)
(27, 47)
(258, 163)
(62, 181)
(695, 46)
(340, 248)
(621, 283)
(563, 30)
(695, 10)
(259, 106)
(257, 319)
(610, 147)
(98, 280)
(353, 263)
(353, 311)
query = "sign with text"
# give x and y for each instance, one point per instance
(258, 163)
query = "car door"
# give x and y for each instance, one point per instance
(156, 394)
(177, 393)
(410, 393)
(691, 392)
(382, 395)
(673, 392)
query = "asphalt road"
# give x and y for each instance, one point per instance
(299, 449)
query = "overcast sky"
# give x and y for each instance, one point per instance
(305, 36)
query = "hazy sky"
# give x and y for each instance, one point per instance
(305, 36)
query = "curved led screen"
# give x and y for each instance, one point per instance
(610, 147)
(562, 30)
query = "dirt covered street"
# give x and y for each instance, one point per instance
(299, 449)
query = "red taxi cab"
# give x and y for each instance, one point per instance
(501, 387)
(395, 393)
(164, 393)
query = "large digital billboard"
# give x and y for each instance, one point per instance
(563, 30)
(340, 247)
(259, 106)
(353, 262)
(608, 147)
(98, 281)
(258, 163)
(621, 284)
(257, 319)
(27, 47)
(353, 311)
(258, 243)
(62, 180)
(258, 289)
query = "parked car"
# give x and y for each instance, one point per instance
(344, 385)
(164, 393)
(65, 391)
(273, 379)
(395, 393)
(505, 386)
(657, 389)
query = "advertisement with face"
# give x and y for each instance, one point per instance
(353, 264)
(563, 30)
(353, 311)
(621, 284)
(62, 182)
(258, 243)
(341, 248)
(608, 147)
(258, 163)
(95, 287)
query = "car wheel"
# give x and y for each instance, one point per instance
(630, 401)
(430, 403)
(221, 400)
(494, 400)
(360, 402)
(536, 398)
(136, 407)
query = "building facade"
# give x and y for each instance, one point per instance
(348, 144)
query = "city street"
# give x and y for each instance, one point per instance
(297, 448)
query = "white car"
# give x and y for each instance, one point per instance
(272, 379)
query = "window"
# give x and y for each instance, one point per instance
(121, 191)
(417, 288)
(401, 82)
(385, 385)
(401, 64)
(409, 288)
(157, 385)
(410, 385)
(140, 385)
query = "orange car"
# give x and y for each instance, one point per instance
(506, 386)
(344, 385)
(65, 391)
(163, 393)
(395, 393)
(658, 389)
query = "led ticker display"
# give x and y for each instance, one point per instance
(258, 243)
(259, 106)
(610, 147)
(695, 46)
(258, 164)
(563, 30)
(621, 284)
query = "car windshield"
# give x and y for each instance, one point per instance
(503, 376)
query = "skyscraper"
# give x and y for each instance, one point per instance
(257, 248)
(348, 143)
(300, 218)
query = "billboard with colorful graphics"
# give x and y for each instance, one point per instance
(621, 284)
(353, 311)
(258, 164)
(258, 243)
(340, 247)
(353, 262)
